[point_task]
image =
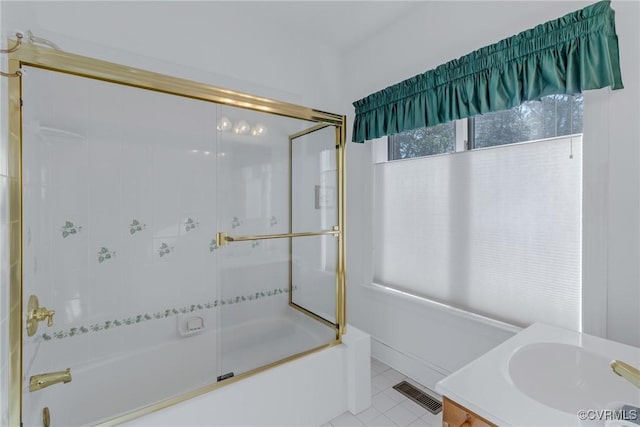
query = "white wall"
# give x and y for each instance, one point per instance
(222, 43)
(432, 35)
(623, 205)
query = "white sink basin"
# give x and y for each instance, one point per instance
(542, 376)
(568, 378)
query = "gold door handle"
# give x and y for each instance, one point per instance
(36, 314)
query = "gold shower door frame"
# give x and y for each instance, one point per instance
(58, 61)
(337, 231)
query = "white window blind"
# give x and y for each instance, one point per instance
(493, 231)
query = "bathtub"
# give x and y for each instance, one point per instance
(306, 391)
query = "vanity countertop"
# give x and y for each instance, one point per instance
(486, 385)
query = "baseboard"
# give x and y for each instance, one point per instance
(413, 367)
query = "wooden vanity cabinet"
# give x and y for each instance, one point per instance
(454, 415)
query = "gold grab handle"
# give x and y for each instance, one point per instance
(223, 238)
(36, 314)
(38, 382)
(627, 372)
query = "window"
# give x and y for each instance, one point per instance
(552, 116)
(497, 232)
(423, 142)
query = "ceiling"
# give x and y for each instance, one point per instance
(338, 24)
(341, 25)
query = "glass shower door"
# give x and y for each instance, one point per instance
(275, 290)
(118, 222)
(314, 207)
(124, 301)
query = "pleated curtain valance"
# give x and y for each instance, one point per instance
(565, 56)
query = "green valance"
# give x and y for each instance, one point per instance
(565, 56)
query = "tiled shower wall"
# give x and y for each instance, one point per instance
(312, 80)
(124, 191)
(119, 203)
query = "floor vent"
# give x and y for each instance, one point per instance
(421, 398)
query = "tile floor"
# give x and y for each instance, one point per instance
(388, 406)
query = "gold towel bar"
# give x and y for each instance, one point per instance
(223, 238)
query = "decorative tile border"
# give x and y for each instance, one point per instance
(170, 312)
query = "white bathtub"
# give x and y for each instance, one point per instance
(307, 391)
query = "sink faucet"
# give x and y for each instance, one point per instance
(627, 372)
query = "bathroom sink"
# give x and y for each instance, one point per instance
(568, 378)
(544, 376)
